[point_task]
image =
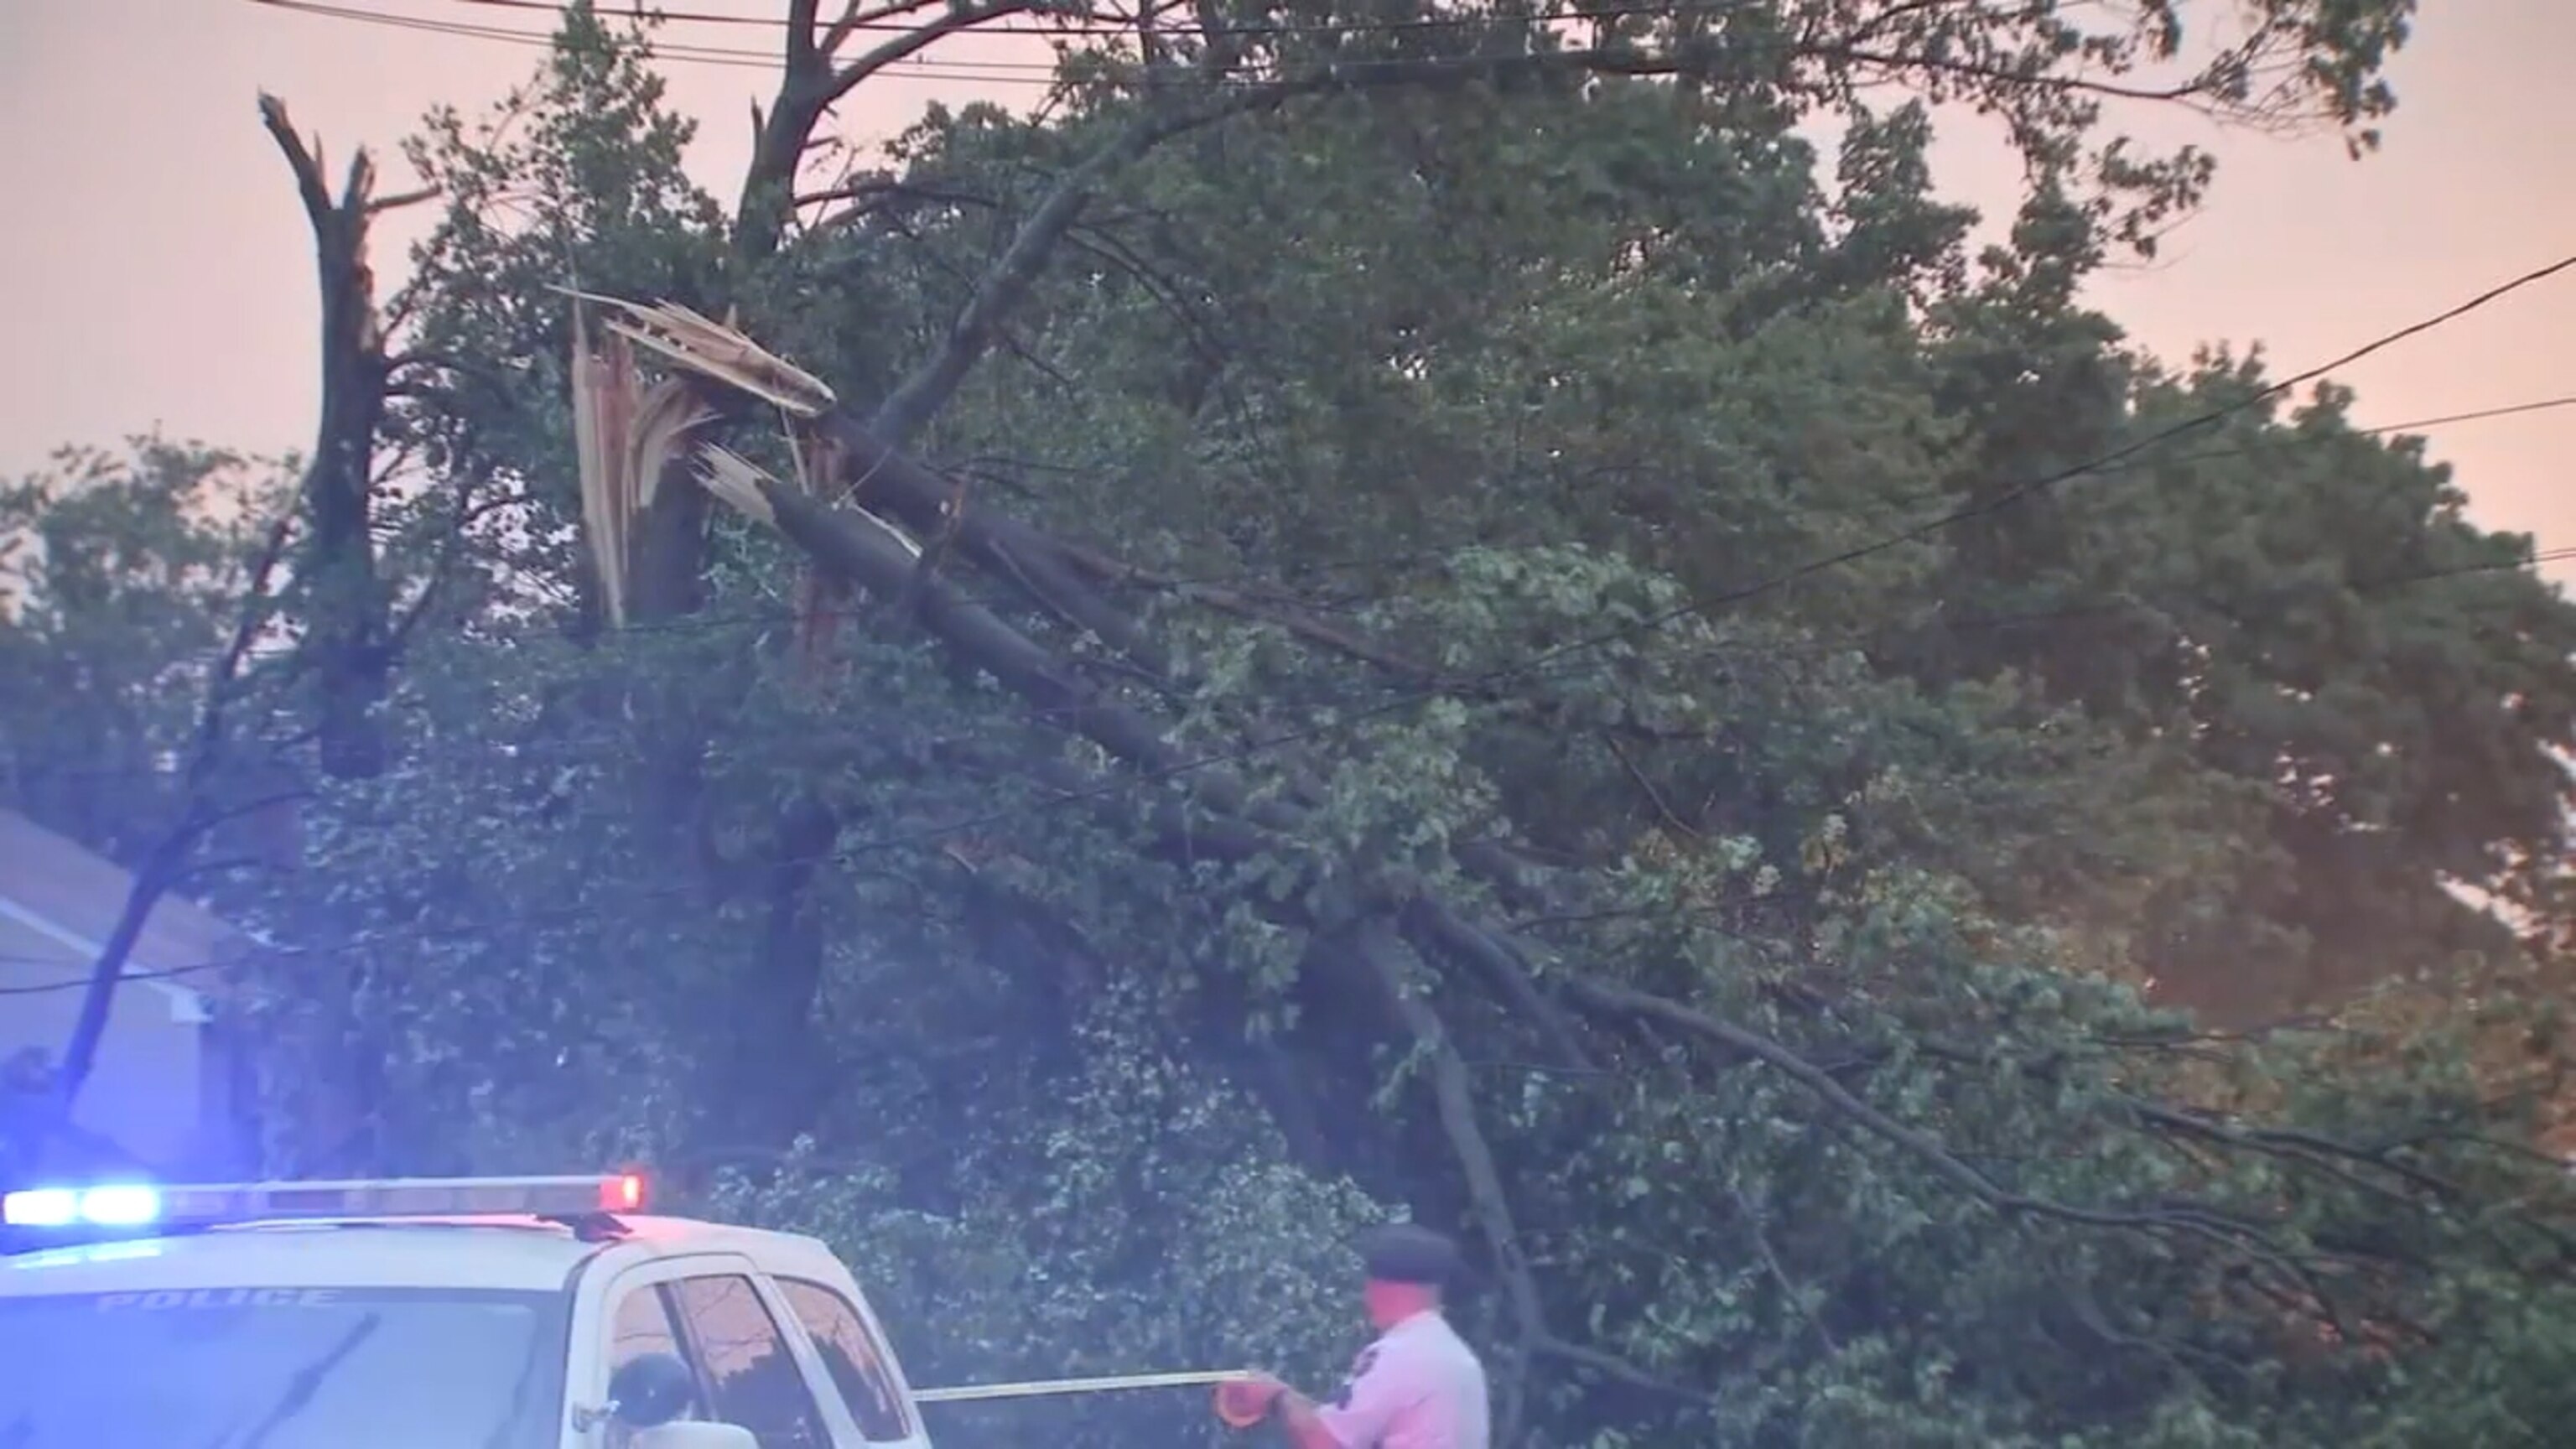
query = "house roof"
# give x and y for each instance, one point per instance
(59, 902)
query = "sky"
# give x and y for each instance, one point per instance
(157, 273)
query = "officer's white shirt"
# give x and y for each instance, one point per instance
(1418, 1387)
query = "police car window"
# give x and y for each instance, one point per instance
(851, 1355)
(286, 1368)
(753, 1379)
(641, 1325)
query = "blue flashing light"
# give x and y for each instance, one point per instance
(108, 1205)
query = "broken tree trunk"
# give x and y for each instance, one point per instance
(349, 641)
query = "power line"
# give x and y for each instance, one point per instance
(1360, 563)
(1039, 22)
(1124, 27)
(81, 982)
(2478, 415)
(985, 72)
(1043, 74)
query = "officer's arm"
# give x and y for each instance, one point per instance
(1305, 1424)
(1357, 1418)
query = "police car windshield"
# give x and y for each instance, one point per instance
(281, 1368)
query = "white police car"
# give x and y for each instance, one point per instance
(475, 1313)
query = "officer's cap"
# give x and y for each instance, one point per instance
(1408, 1253)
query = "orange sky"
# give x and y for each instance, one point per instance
(156, 268)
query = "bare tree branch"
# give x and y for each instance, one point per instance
(855, 15)
(167, 861)
(809, 85)
(912, 42)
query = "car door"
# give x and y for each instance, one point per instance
(636, 1317)
(713, 1312)
(854, 1359)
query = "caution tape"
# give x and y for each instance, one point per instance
(1043, 1388)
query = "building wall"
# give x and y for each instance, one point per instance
(163, 1087)
(145, 1092)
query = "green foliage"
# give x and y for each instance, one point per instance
(1476, 371)
(1198, 1247)
(121, 584)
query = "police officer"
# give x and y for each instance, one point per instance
(1418, 1386)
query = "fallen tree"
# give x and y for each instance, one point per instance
(1105, 803)
(1383, 926)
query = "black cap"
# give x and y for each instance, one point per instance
(1409, 1253)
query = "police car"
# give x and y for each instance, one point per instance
(474, 1313)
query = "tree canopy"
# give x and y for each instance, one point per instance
(1397, 609)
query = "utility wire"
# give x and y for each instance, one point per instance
(1042, 74)
(1127, 26)
(985, 72)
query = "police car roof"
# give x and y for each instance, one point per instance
(506, 1253)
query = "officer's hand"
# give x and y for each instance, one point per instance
(1248, 1400)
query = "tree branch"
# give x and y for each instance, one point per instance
(2236, 1236)
(1453, 1092)
(167, 861)
(904, 412)
(810, 85)
(1653, 795)
(802, 16)
(912, 42)
(1779, 1273)
(928, 389)
(1503, 968)
(1611, 1366)
(855, 15)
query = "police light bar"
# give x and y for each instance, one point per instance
(112, 1205)
(127, 1205)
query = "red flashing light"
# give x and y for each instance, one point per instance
(623, 1193)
